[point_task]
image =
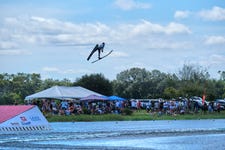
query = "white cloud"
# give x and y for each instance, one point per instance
(174, 28)
(214, 60)
(215, 40)
(131, 4)
(42, 31)
(217, 59)
(64, 71)
(76, 71)
(51, 69)
(181, 14)
(14, 52)
(132, 65)
(215, 14)
(8, 45)
(119, 54)
(164, 44)
(147, 28)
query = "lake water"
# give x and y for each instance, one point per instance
(176, 134)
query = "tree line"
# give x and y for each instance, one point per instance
(135, 83)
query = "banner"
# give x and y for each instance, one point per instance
(29, 120)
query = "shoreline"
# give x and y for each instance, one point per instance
(136, 116)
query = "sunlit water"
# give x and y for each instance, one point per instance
(176, 134)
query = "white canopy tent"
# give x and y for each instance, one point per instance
(63, 92)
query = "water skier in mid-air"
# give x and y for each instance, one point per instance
(98, 48)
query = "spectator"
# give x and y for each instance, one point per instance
(156, 105)
(71, 108)
(210, 107)
(138, 105)
(205, 107)
(218, 107)
(54, 107)
(148, 106)
(64, 105)
(45, 106)
(133, 104)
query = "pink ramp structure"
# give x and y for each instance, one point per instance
(22, 118)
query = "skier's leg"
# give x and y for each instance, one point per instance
(92, 52)
(99, 51)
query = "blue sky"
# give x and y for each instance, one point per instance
(55, 37)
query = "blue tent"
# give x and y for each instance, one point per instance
(116, 98)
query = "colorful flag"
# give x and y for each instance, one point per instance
(203, 99)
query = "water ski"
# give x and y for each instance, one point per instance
(103, 56)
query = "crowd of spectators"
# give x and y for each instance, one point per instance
(159, 106)
(171, 107)
(67, 107)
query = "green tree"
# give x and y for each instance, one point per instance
(193, 73)
(160, 81)
(47, 83)
(215, 89)
(15, 87)
(140, 83)
(95, 82)
(132, 83)
(193, 80)
(222, 75)
(9, 98)
(170, 92)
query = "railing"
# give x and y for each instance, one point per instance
(27, 128)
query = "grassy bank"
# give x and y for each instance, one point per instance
(142, 115)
